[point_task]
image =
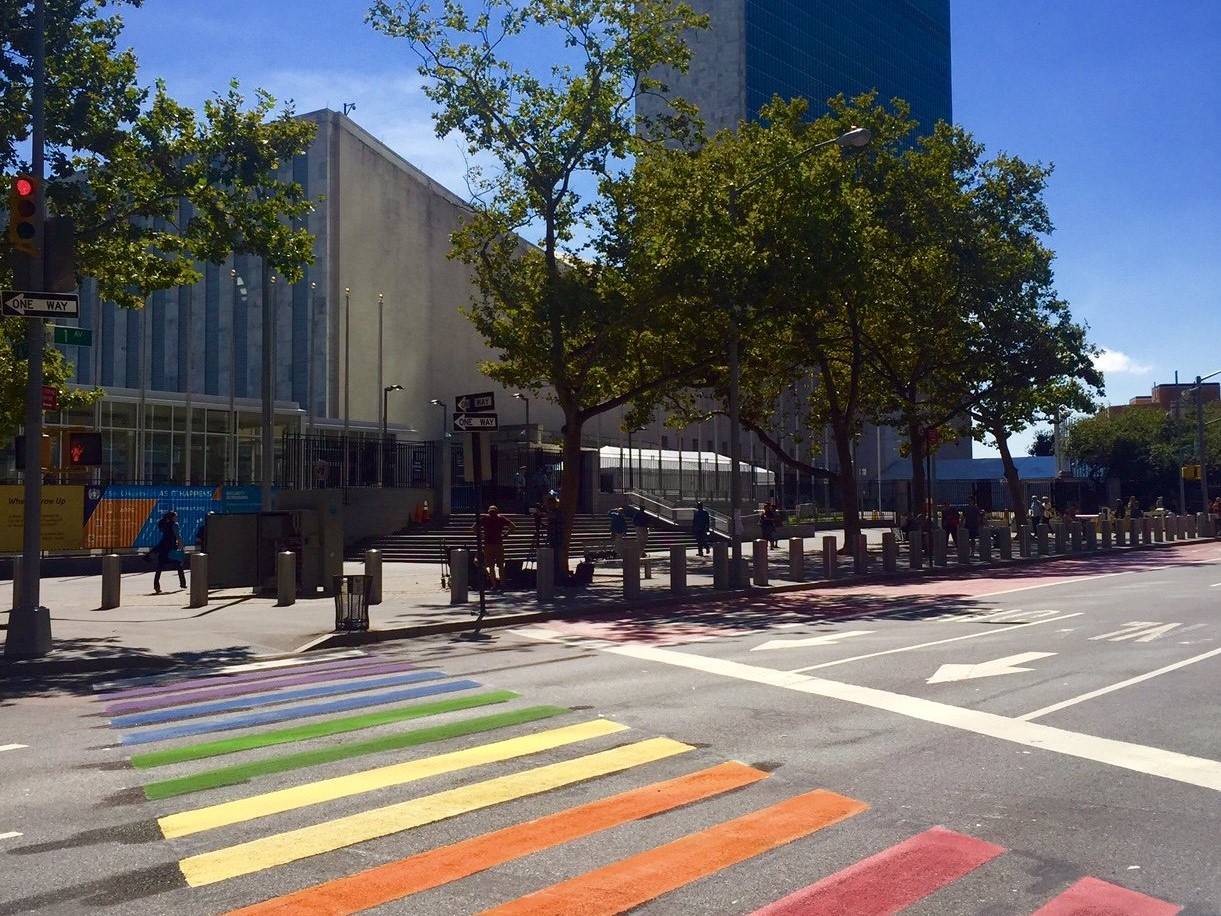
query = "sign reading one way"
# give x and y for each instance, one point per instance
(475, 403)
(476, 422)
(40, 305)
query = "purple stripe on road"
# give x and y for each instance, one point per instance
(270, 674)
(222, 691)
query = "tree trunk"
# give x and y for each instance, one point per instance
(1011, 474)
(919, 484)
(847, 488)
(570, 487)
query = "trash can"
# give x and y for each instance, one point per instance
(351, 603)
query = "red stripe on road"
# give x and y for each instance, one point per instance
(1092, 897)
(891, 880)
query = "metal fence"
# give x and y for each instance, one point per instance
(308, 461)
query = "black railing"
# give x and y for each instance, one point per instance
(323, 461)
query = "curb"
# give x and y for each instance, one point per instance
(369, 637)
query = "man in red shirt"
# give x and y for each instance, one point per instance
(494, 527)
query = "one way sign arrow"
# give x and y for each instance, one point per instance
(827, 639)
(1007, 665)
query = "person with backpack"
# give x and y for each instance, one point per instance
(168, 550)
(701, 524)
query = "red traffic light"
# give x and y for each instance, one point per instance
(24, 187)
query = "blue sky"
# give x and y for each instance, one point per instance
(1119, 94)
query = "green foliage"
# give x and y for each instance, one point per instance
(153, 188)
(1044, 444)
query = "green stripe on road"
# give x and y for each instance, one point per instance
(243, 772)
(317, 729)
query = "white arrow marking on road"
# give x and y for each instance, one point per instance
(12, 834)
(827, 639)
(1007, 665)
(12, 747)
(1140, 630)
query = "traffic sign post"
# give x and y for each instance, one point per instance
(23, 304)
(479, 402)
(476, 422)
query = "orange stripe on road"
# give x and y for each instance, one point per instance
(622, 885)
(396, 880)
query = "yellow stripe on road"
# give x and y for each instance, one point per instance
(313, 793)
(282, 848)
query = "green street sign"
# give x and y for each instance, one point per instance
(73, 337)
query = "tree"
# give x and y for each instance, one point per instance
(152, 187)
(1044, 444)
(559, 314)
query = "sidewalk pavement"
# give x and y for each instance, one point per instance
(157, 630)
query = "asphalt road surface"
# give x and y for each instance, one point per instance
(1030, 741)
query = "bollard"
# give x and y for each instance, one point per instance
(1074, 532)
(890, 552)
(1172, 528)
(646, 566)
(915, 550)
(678, 569)
(962, 547)
(1203, 525)
(797, 559)
(112, 579)
(631, 570)
(1159, 529)
(1105, 525)
(1060, 537)
(199, 580)
(1043, 546)
(720, 565)
(1146, 531)
(545, 584)
(744, 575)
(1121, 529)
(1091, 535)
(1023, 541)
(1006, 542)
(1190, 521)
(985, 544)
(759, 554)
(459, 576)
(373, 569)
(830, 562)
(939, 546)
(860, 557)
(286, 578)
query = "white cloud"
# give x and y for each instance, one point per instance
(1116, 362)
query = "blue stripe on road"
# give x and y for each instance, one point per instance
(296, 712)
(272, 699)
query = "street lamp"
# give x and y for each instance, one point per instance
(437, 402)
(521, 397)
(381, 453)
(855, 138)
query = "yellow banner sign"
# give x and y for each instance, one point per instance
(63, 518)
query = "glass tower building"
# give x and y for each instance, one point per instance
(756, 49)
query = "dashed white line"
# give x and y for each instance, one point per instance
(12, 747)
(1196, 771)
(935, 642)
(1054, 707)
(12, 834)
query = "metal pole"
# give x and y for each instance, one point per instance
(233, 448)
(879, 469)
(1200, 455)
(29, 630)
(381, 452)
(735, 455)
(309, 356)
(381, 383)
(265, 470)
(347, 375)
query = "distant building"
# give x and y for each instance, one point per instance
(815, 49)
(1166, 395)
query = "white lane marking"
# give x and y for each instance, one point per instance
(12, 834)
(567, 639)
(1140, 630)
(935, 642)
(1215, 585)
(1063, 704)
(12, 747)
(1196, 771)
(1015, 614)
(827, 639)
(789, 626)
(1007, 665)
(248, 666)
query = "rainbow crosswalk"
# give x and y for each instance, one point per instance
(239, 799)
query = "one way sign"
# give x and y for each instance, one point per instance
(476, 422)
(475, 403)
(40, 305)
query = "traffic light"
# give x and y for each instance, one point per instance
(84, 450)
(25, 216)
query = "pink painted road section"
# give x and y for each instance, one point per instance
(1093, 897)
(891, 880)
(224, 691)
(215, 680)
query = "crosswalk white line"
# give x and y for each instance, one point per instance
(295, 661)
(12, 747)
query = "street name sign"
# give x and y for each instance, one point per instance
(39, 305)
(72, 337)
(476, 422)
(480, 402)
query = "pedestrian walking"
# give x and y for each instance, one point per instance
(618, 528)
(1036, 513)
(971, 518)
(701, 524)
(769, 521)
(551, 516)
(493, 527)
(168, 551)
(640, 520)
(950, 519)
(1118, 512)
(1134, 510)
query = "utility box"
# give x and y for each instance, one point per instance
(242, 550)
